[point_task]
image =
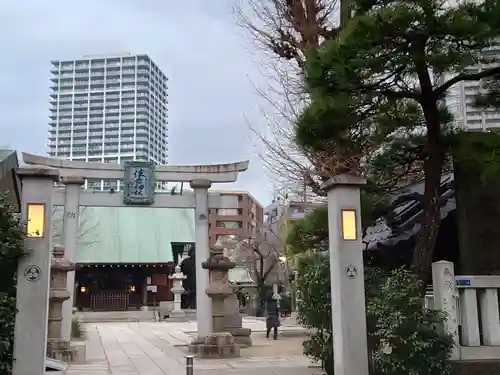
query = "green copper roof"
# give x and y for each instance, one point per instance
(240, 275)
(128, 234)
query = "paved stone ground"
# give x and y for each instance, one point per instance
(159, 348)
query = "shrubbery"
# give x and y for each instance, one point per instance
(11, 249)
(285, 303)
(77, 330)
(417, 344)
(395, 317)
(313, 306)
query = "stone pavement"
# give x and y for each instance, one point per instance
(159, 348)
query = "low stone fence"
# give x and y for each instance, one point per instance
(471, 303)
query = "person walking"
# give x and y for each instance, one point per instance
(273, 317)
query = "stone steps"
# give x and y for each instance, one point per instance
(115, 316)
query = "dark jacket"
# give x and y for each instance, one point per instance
(273, 315)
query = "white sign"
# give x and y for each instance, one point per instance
(152, 288)
(148, 280)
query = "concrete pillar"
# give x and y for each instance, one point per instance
(33, 280)
(350, 348)
(70, 243)
(488, 304)
(445, 299)
(469, 317)
(202, 251)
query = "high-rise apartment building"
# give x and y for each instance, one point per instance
(462, 97)
(108, 109)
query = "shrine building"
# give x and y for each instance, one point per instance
(125, 254)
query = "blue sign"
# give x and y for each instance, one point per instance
(139, 183)
(463, 282)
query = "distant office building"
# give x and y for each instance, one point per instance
(108, 109)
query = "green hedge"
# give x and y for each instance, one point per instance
(395, 315)
(11, 249)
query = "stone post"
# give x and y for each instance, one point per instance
(445, 299)
(350, 347)
(33, 271)
(202, 249)
(70, 241)
(58, 347)
(177, 314)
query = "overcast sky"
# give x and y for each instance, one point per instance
(196, 43)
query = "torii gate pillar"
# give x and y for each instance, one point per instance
(202, 251)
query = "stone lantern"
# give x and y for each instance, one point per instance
(57, 347)
(219, 287)
(220, 343)
(177, 314)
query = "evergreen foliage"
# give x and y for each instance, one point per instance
(395, 316)
(77, 330)
(11, 249)
(377, 94)
(411, 337)
(311, 232)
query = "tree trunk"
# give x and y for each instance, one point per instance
(427, 236)
(345, 13)
(433, 166)
(261, 295)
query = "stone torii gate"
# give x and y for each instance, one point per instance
(138, 190)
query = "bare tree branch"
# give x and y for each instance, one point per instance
(287, 32)
(86, 226)
(288, 29)
(260, 255)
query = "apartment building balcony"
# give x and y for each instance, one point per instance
(239, 232)
(215, 219)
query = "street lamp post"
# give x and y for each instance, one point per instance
(346, 275)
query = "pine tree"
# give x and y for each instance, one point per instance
(383, 82)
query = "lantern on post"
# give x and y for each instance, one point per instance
(36, 220)
(347, 277)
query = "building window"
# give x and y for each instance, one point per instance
(240, 198)
(229, 224)
(228, 211)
